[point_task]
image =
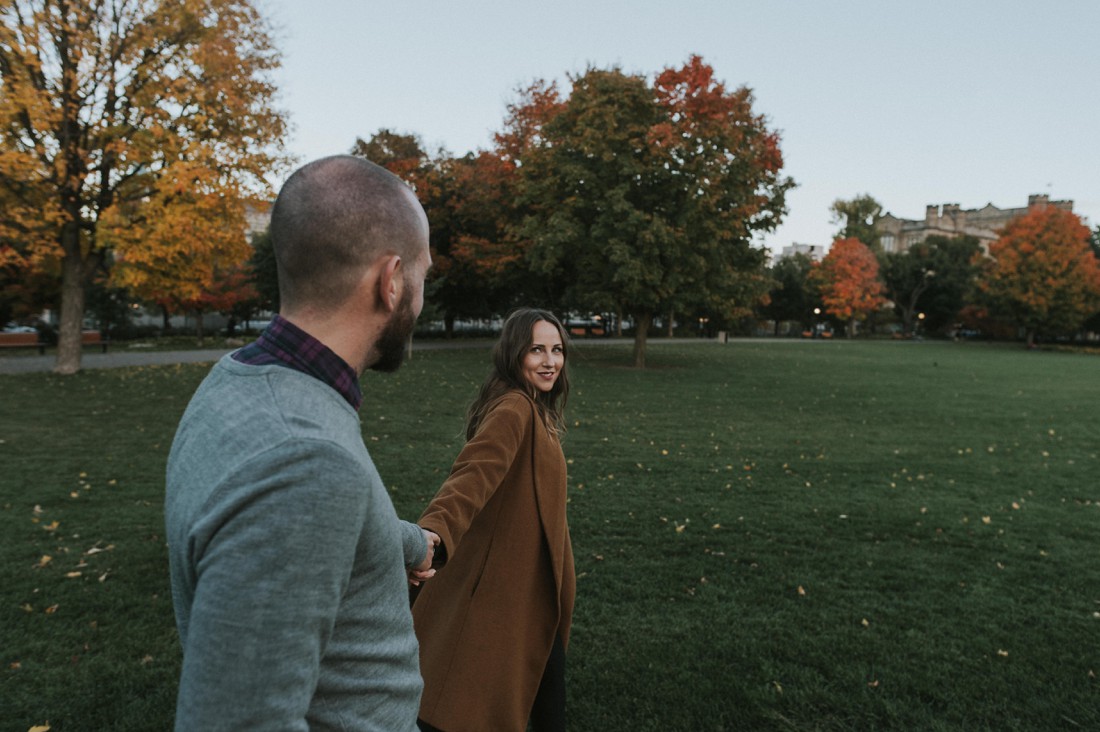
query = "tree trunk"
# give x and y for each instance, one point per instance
(851, 327)
(72, 315)
(166, 323)
(198, 326)
(449, 325)
(642, 322)
(619, 323)
(671, 322)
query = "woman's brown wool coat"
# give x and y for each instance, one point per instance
(486, 622)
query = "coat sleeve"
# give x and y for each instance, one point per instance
(478, 471)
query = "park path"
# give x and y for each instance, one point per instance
(121, 358)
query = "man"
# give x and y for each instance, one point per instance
(288, 562)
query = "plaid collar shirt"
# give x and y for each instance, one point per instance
(285, 344)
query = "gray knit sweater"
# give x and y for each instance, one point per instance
(288, 562)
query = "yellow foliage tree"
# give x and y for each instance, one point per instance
(131, 134)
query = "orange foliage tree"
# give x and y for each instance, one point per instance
(1043, 273)
(126, 126)
(847, 281)
(477, 262)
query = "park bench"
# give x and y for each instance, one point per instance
(33, 340)
(22, 340)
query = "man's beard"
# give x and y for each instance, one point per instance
(395, 337)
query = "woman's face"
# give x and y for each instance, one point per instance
(545, 357)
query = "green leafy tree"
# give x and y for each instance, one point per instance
(264, 271)
(956, 262)
(790, 296)
(647, 198)
(857, 217)
(907, 276)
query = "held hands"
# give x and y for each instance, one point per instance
(424, 571)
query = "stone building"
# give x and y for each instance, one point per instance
(816, 252)
(952, 220)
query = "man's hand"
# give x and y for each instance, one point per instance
(424, 571)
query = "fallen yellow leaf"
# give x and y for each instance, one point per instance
(40, 728)
(46, 559)
(801, 591)
(52, 609)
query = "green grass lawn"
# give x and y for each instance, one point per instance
(779, 536)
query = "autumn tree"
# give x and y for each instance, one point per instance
(1093, 323)
(400, 153)
(477, 262)
(857, 217)
(848, 283)
(470, 203)
(645, 196)
(124, 125)
(1043, 273)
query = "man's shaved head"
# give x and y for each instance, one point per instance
(333, 218)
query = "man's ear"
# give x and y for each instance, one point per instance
(390, 283)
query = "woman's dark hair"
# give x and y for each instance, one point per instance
(507, 374)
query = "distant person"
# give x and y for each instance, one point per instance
(494, 624)
(288, 562)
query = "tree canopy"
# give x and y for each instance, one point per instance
(1044, 273)
(857, 217)
(131, 134)
(645, 195)
(847, 281)
(790, 296)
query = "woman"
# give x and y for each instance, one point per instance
(494, 623)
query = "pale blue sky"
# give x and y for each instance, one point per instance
(969, 102)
